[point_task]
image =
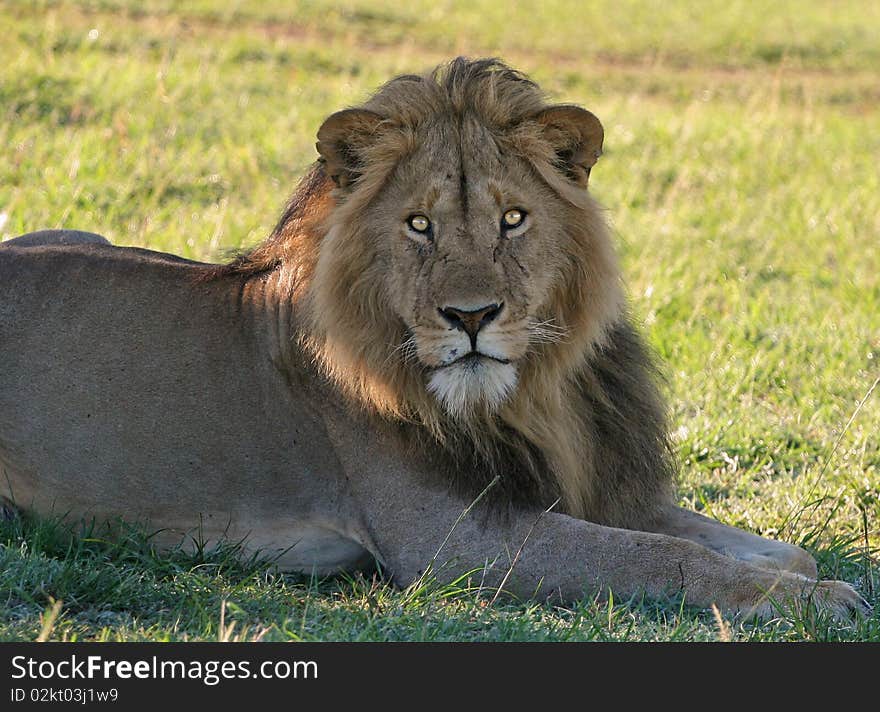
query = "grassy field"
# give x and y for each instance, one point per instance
(741, 178)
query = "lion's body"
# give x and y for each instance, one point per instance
(330, 398)
(130, 429)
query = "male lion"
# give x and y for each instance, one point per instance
(436, 319)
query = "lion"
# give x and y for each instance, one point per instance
(428, 367)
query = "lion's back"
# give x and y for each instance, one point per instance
(43, 238)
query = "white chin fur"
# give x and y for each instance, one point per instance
(462, 387)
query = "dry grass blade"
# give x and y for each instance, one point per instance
(724, 634)
(796, 512)
(47, 620)
(461, 516)
(226, 633)
(519, 553)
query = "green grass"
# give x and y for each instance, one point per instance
(740, 176)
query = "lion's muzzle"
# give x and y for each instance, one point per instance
(471, 320)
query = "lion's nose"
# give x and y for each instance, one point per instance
(471, 320)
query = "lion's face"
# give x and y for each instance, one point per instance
(473, 250)
(463, 255)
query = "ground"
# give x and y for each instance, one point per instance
(740, 175)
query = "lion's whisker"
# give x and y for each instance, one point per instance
(406, 350)
(546, 332)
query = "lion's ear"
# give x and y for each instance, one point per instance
(342, 139)
(576, 135)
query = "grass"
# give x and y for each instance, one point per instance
(740, 176)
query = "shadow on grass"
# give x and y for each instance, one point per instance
(113, 584)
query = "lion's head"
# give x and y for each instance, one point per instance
(464, 241)
(454, 268)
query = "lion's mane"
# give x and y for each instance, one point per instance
(586, 424)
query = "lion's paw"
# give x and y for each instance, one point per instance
(841, 599)
(835, 598)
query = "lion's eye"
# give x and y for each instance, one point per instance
(419, 223)
(513, 218)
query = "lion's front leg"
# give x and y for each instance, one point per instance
(415, 529)
(736, 543)
(413, 524)
(554, 556)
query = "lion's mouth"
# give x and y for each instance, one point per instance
(472, 358)
(472, 379)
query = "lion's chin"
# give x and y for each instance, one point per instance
(469, 386)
